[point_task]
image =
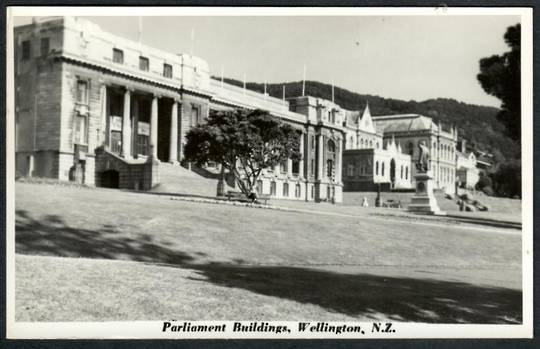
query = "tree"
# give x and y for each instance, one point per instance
(500, 76)
(244, 142)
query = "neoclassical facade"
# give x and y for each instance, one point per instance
(409, 130)
(107, 111)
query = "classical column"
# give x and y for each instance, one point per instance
(339, 161)
(289, 166)
(126, 125)
(173, 144)
(103, 135)
(302, 152)
(154, 126)
(320, 164)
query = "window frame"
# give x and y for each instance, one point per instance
(118, 53)
(165, 67)
(43, 52)
(144, 63)
(26, 50)
(86, 94)
(77, 134)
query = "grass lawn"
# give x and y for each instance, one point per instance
(155, 258)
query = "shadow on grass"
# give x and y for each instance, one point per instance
(51, 236)
(356, 295)
(373, 296)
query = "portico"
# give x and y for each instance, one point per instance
(140, 123)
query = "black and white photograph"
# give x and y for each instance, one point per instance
(269, 172)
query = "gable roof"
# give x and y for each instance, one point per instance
(403, 123)
(365, 122)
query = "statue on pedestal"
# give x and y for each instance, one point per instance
(423, 200)
(423, 160)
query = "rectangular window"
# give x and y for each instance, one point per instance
(259, 186)
(81, 131)
(312, 142)
(26, 50)
(142, 144)
(118, 56)
(312, 191)
(116, 142)
(44, 46)
(194, 116)
(312, 167)
(82, 92)
(283, 167)
(144, 63)
(167, 70)
(296, 167)
(297, 191)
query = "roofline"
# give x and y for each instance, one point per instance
(397, 116)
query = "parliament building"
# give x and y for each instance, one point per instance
(95, 107)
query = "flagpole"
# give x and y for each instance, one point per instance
(139, 20)
(244, 83)
(304, 82)
(283, 93)
(222, 76)
(192, 37)
(332, 90)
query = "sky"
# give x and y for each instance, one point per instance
(402, 57)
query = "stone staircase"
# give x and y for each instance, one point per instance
(180, 180)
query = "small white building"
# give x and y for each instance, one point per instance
(368, 162)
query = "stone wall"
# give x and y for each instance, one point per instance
(134, 174)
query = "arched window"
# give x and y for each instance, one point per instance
(411, 148)
(351, 143)
(406, 172)
(401, 172)
(376, 168)
(370, 144)
(297, 191)
(285, 189)
(331, 146)
(273, 188)
(362, 143)
(382, 168)
(331, 156)
(350, 170)
(377, 145)
(259, 187)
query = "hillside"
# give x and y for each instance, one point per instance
(477, 124)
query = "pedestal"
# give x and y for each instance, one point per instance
(423, 200)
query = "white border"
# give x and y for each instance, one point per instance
(144, 329)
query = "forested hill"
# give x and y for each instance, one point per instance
(477, 124)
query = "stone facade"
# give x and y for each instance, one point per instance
(367, 162)
(409, 130)
(106, 111)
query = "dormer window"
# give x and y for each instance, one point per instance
(118, 56)
(144, 63)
